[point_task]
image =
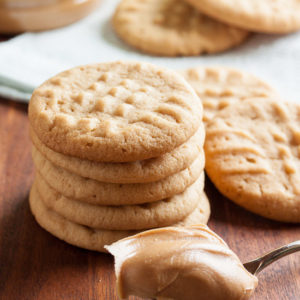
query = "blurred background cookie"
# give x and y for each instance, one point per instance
(218, 87)
(269, 16)
(172, 27)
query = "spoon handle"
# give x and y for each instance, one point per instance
(258, 264)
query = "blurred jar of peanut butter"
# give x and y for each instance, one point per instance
(27, 3)
(18, 16)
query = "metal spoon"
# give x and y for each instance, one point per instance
(258, 264)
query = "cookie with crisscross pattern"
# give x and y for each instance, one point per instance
(218, 87)
(252, 153)
(115, 112)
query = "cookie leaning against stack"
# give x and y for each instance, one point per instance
(118, 147)
(252, 156)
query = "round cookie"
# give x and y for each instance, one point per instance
(89, 238)
(130, 217)
(101, 193)
(143, 171)
(218, 87)
(172, 27)
(252, 153)
(115, 112)
(269, 16)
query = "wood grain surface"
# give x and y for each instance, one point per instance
(36, 265)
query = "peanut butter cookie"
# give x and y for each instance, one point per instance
(270, 16)
(172, 27)
(218, 87)
(115, 112)
(126, 217)
(103, 193)
(140, 171)
(90, 238)
(252, 153)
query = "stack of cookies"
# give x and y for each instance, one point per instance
(118, 148)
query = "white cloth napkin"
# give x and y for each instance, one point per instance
(29, 59)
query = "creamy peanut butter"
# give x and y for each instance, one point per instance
(35, 15)
(180, 263)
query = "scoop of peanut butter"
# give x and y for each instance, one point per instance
(180, 263)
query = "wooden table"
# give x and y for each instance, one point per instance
(36, 265)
